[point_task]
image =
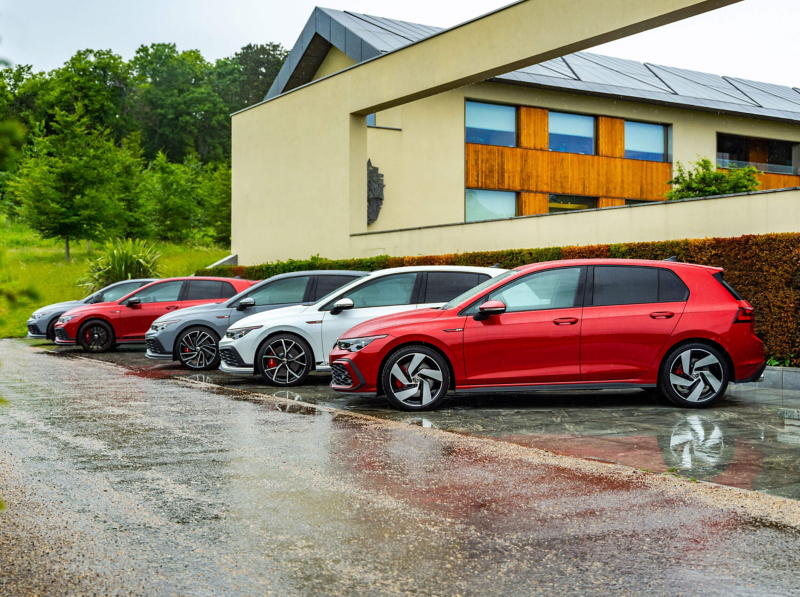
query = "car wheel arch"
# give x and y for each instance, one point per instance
(406, 344)
(293, 332)
(92, 320)
(183, 328)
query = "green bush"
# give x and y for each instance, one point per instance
(122, 260)
(704, 180)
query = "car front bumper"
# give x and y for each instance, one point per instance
(34, 331)
(156, 350)
(63, 338)
(231, 362)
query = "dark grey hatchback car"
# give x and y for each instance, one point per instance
(192, 335)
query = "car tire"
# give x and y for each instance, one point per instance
(415, 378)
(51, 329)
(694, 375)
(284, 360)
(96, 336)
(198, 348)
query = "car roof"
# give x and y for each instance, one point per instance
(611, 261)
(319, 272)
(491, 271)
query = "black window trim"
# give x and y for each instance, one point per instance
(579, 292)
(414, 292)
(589, 297)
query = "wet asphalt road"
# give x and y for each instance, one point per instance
(126, 481)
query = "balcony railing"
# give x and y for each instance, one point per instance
(774, 168)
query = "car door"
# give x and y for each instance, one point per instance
(537, 339)
(441, 287)
(630, 313)
(273, 295)
(376, 297)
(157, 300)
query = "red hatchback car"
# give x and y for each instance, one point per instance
(584, 324)
(102, 326)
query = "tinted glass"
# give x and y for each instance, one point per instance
(625, 285)
(490, 205)
(571, 133)
(490, 124)
(552, 289)
(384, 291)
(116, 293)
(201, 290)
(327, 284)
(228, 290)
(477, 290)
(279, 292)
(560, 203)
(645, 141)
(671, 288)
(444, 286)
(161, 293)
(767, 155)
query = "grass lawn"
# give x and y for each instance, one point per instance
(29, 262)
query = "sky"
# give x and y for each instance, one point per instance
(754, 39)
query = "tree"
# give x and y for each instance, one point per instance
(215, 191)
(704, 180)
(244, 79)
(66, 183)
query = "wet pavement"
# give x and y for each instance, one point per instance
(145, 480)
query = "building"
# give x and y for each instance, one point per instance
(574, 133)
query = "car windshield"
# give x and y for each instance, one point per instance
(476, 290)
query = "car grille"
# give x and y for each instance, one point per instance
(154, 346)
(62, 335)
(341, 377)
(33, 330)
(227, 356)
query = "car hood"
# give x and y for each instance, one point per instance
(269, 318)
(65, 306)
(84, 309)
(189, 312)
(385, 324)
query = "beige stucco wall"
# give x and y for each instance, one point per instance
(335, 60)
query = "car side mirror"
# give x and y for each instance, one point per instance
(489, 308)
(133, 302)
(342, 305)
(97, 299)
(246, 304)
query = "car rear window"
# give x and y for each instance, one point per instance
(445, 286)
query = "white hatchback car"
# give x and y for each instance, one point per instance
(285, 345)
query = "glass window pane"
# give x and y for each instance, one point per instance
(327, 284)
(161, 293)
(645, 141)
(383, 292)
(491, 124)
(559, 203)
(671, 288)
(279, 292)
(444, 286)
(202, 290)
(113, 294)
(625, 285)
(571, 133)
(371, 119)
(490, 205)
(228, 290)
(552, 289)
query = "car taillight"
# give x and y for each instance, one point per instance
(746, 313)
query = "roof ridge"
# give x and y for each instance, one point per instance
(360, 16)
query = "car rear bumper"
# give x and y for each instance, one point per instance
(755, 377)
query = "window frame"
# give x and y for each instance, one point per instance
(516, 121)
(588, 300)
(414, 291)
(580, 291)
(595, 132)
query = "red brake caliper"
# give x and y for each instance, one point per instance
(272, 363)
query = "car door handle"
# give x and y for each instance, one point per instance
(662, 314)
(566, 321)
(172, 307)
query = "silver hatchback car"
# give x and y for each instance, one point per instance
(192, 335)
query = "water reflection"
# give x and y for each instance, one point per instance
(697, 443)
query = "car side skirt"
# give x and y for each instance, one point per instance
(554, 387)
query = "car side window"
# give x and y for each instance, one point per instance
(549, 289)
(202, 290)
(327, 284)
(442, 287)
(625, 285)
(671, 288)
(279, 292)
(385, 291)
(116, 293)
(227, 291)
(161, 293)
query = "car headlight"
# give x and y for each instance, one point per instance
(66, 318)
(240, 332)
(356, 344)
(41, 314)
(162, 325)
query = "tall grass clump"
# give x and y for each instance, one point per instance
(122, 259)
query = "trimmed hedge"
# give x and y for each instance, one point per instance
(765, 269)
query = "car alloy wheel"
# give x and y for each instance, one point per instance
(694, 376)
(416, 378)
(96, 336)
(198, 349)
(285, 360)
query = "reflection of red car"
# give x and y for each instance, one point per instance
(99, 327)
(584, 324)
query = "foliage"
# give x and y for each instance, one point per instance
(122, 260)
(215, 193)
(780, 361)
(704, 180)
(244, 79)
(764, 269)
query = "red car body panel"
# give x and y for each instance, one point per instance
(589, 346)
(131, 323)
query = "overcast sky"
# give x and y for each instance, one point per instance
(755, 39)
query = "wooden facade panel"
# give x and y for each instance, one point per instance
(771, 181)
(611, 137)
(534, 128)
(609, 202)
(533, 203)
(534, 171)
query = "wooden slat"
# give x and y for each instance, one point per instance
(534, 128)
(533, 203)
(770, 181)
(609, 202)
(534, 171)
(611, 137)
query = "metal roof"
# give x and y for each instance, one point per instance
(362, 37)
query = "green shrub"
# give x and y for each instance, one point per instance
(122, 260)
(704, 180)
